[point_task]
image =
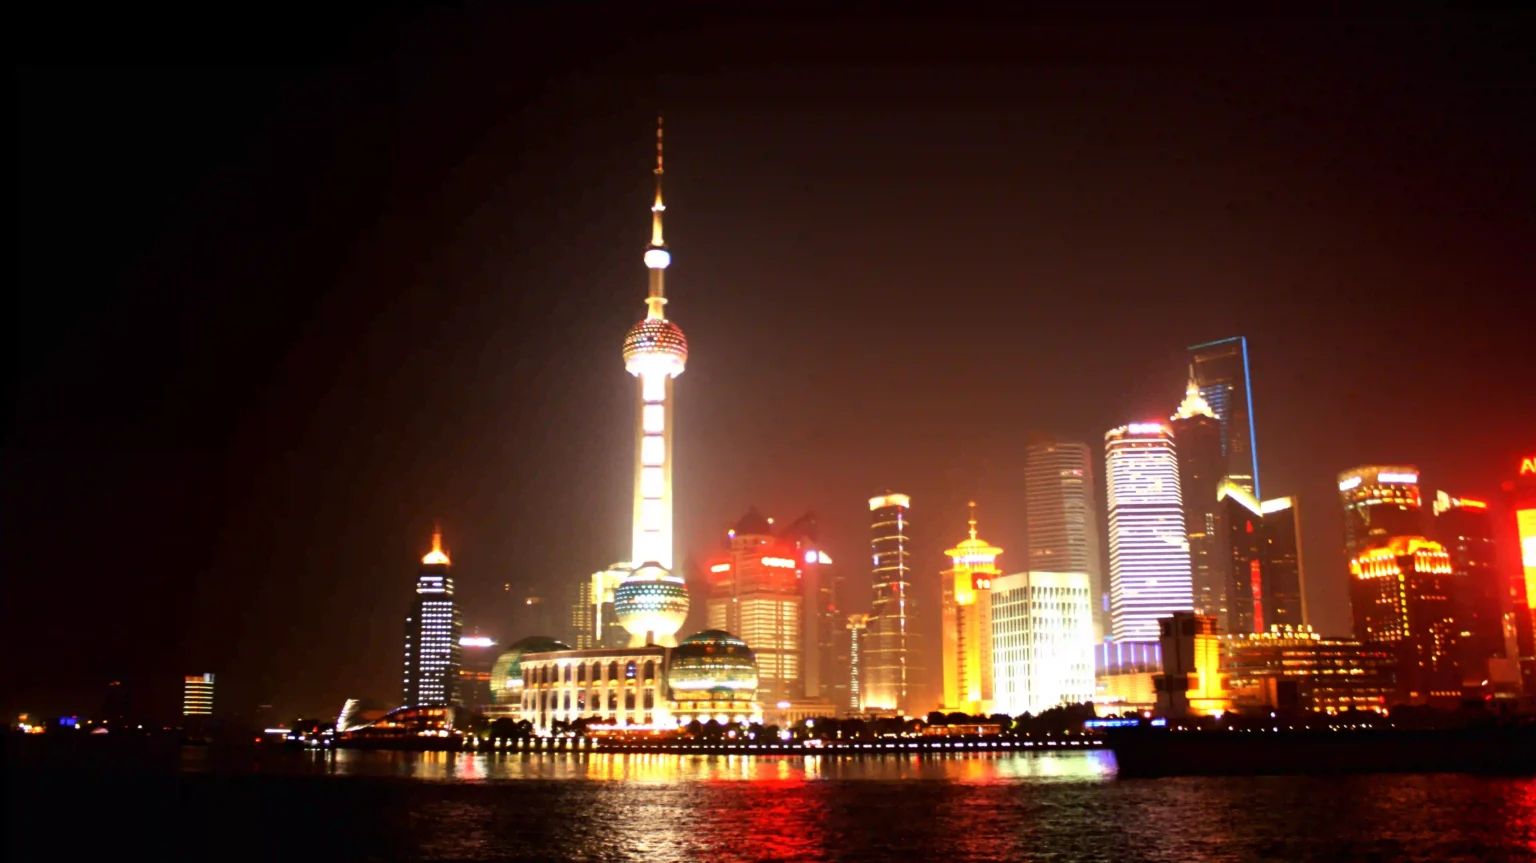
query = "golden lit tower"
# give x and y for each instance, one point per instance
(652, 602)
(968, 624)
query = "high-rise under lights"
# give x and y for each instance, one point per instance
(1062, 516)
(967, 627)
(1221, 370)
(1148, 550)
(889, 643)
(432, 631)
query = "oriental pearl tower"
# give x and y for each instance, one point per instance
(652, 603)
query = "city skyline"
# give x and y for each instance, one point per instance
(255, 413)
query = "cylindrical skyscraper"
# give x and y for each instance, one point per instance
(652, 603)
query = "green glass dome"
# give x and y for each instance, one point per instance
(712, 665)
(507, 672)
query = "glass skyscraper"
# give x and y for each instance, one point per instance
(1042, 641)
(1380, 502)
(1063, 532)
(432, 630)
(1220, 369)
(1149, 575)
(888, 646)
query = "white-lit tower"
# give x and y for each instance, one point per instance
(1149, 575)
(652, 602)
(432, 630)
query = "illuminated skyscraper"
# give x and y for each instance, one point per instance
(1221, 370)
(967, 626)
(1148, 550)
(1042, 641)
(197, 695)
(824, 663)
(432, 631)
(756, 595)
(1466, 528)
(1261, 551)
(1380, 502)
(1401, 595)
(652, 602)
(1202, 465)
(581, 615)
(890, 667)
(858, 624)
(1062, 519)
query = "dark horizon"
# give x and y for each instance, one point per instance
(273, 321)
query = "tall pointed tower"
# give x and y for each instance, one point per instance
(652, 603)
(968, 623)
(432, 629)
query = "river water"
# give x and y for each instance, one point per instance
(982, 807)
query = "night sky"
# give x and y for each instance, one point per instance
(283, 302)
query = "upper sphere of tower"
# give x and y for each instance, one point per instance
(655, 345)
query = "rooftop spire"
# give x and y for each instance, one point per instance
(1194, 404)
(973, 519)
(436, 555)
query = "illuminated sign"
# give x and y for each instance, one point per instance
(1528, 465)
(1525, 524)
(810, 557)
(1145, 428)
(886, 500)
(720, 567)
(1397, 477)
(780, 562)
(1469, 503)
(476, 641)
(823, 557)
(1350, 483)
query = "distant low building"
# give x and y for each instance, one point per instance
(1295, 668)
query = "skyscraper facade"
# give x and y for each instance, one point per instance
(890, 667)
(1380, 502)
(652, 602)
(967, 623)
(1042, 641)
(432, 631)
(755, 594)
(858, 625)
(1202, 466)
(581, 615)
(1520, 496)
(1401, 595)
(1465, 527)
(1061, 516)
(1149, 574)
(1261, 549)
(197, 695)
(823, 621)
(1221, 370)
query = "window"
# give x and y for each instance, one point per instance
(650, 671)
(629, 670)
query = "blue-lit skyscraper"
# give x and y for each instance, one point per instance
(432, 629)
(1221, 370)
(1149, 575)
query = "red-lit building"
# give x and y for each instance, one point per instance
(1520, 496)
(755, 595)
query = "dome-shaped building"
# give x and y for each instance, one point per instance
(651, 605)
(713, 675)
(507, 671)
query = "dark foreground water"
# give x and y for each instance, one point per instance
(434, 806)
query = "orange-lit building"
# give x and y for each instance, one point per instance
(1191, 682)
(967, 623)
(1292, 667)
(1380, 502)
(1401, 593)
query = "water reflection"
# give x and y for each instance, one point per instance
(658, 768)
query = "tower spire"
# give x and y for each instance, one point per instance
(656, 209)
(973, 519)
(436, 555)
(656, 255)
